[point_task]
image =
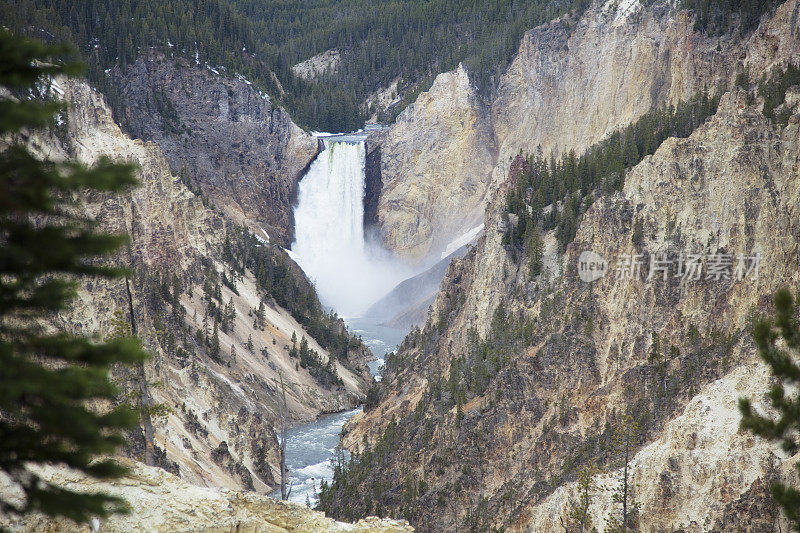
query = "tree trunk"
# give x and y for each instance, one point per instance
(284, 473)
(145, 399)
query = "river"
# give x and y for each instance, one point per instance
(311, 447)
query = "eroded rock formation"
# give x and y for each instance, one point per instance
(226, 138)
(192, 508)
(572, 83)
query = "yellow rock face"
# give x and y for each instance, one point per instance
(436, 162)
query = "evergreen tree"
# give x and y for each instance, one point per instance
(48, 380)
(623, 442)
(228, 316)
(261, 316)
(204, 336)
(535, 248)
(579, 519)
(571, 183)
(215, 346)
(783, 362)
(178, 311)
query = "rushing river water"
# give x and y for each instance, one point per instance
(379, 339)
(311, 447)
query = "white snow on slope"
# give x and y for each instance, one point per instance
(458, 242)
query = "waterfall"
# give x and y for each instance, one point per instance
(330, 246)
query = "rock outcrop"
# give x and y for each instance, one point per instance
(314, 67)
(160, 501)
(227, 139)
(436, 161)
(701, 474)
(571, 84)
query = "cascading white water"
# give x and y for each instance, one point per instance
(348, 273)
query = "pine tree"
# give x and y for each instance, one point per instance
(215, 346)
(535, 252)
(230, 314)
(48, 380)
(579, 519)
(283, 413)
(623, 442)
(261, 315)
(250, 346)
(205, 336)
(784, 365)
(303, 348)
(178, 311)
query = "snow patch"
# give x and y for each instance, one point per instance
(296, 258)
(464, 239)
(261, 239)
(56, 88)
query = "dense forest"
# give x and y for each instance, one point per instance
(112, 33)
(410, 39)
(719, 16)
(261, 39)
(380, 41)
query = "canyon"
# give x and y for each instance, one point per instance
(236, 213)
(224, 137)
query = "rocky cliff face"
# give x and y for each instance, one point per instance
(207, 418)
(225, 136)
(572, 83)
(435, 164)
(517, 383)
(321, 64)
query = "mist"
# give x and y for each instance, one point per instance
(349, 271)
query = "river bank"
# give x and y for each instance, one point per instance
(311, 448)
